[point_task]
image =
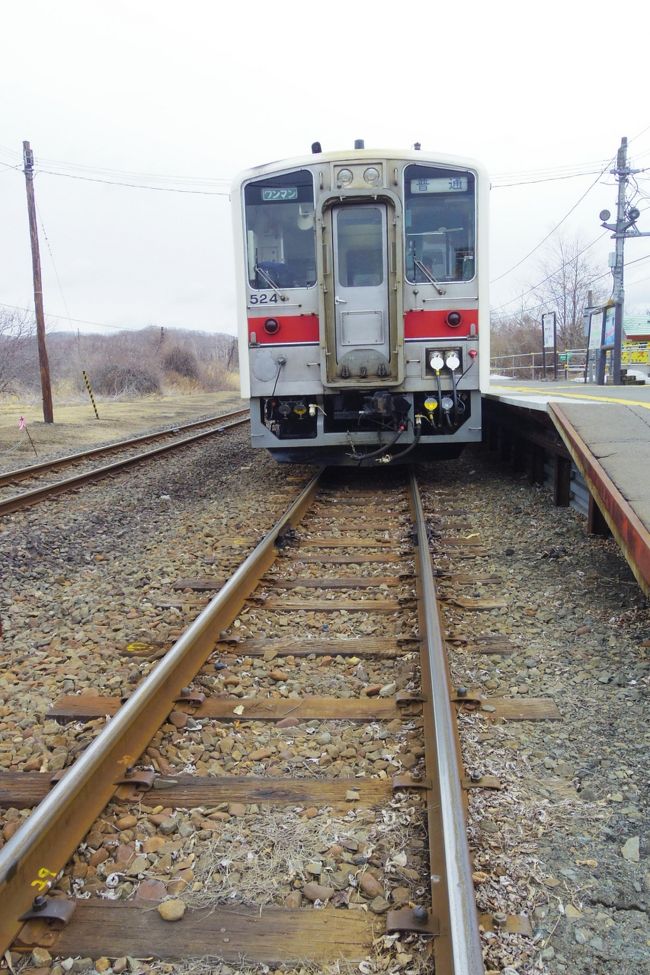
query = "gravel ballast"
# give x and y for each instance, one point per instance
(564, 840)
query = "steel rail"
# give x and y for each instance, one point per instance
(457, 948)
(46, 840)
(20, 473)
(27, 498)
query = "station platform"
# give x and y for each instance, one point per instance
(603, 430)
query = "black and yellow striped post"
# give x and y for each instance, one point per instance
(90, 392)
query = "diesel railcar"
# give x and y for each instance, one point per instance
(363, 317)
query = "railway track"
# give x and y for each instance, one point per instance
(295, 749)
(169, 439)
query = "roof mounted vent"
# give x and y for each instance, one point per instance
(316, 148)
(359, 144)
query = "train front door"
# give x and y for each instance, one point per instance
(361, 291)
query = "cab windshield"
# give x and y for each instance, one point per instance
(280, 231)
(440, 224)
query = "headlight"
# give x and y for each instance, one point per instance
(436, 362)
(430, 404)
(372, 174)
(345, 177)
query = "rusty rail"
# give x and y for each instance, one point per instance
(458, 945)
(27, 498)
(47, 839)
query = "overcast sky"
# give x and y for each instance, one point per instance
(129, 92)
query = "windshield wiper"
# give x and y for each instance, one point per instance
(427, 273)
(269, 280)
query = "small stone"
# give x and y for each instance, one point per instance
(314, 867)
(547, 954)
(102, 964)
(388, 690)
(572, 912)
(370, 885)
(153, 844)
(172, 910)
(581, 935)
(379, 905)
(120, 965)
(317, 892)
(278, 675)
(237, 809)
(151, 890)
(178, 719)
(127, 822)
(41, 956)
(630, 850)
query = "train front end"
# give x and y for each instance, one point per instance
(363, 329)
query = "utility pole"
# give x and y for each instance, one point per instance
(48, 412)
(625, 226)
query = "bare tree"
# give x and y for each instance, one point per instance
(569, 277)
(17, 348)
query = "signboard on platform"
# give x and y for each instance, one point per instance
(548, 329)
(609, 330)
(595, 330)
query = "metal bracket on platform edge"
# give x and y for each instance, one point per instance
(416, 920)
(44, 908)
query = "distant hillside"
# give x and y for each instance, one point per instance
(143, 361)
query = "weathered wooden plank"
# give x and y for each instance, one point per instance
(184, 604)
(270, 935)
(357, 559)
(199, 585)
(467, 579)
(525, 708)
(361, 647)
(466, 602)
(331, 605)
(344, 582)
(84, 707)
(22, 790)
(503, 648)
(466, 541)
(349, 541)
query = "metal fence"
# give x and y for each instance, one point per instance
(534, 365)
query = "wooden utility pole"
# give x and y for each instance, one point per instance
(48, 413)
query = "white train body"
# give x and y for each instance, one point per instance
(362, 303)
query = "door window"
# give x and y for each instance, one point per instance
(360, 247)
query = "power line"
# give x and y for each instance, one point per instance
(79, 321)
(553, 273)
(544, 179)
(556, 227)
(139, 186)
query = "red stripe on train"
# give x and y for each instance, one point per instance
(292, 328)
(424, 324)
